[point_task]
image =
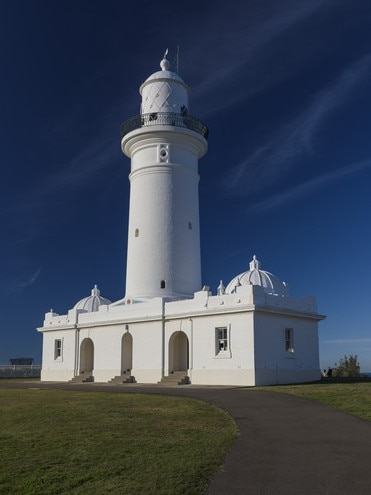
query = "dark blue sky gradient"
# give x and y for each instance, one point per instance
(285, 90)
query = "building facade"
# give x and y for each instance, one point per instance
(168, 328)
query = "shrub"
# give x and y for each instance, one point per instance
(348, 367)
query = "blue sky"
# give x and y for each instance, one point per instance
(284, 88)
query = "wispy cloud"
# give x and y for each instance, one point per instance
(26, 282)
(32, 209)
(243, 48)
(347, 341)
(92, 158)
(249, 38)
(307, 188)
(288, 145)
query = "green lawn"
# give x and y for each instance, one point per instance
(92, 443)
(354, 398)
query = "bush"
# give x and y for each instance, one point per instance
(347, 367)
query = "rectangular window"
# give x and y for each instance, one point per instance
(289, 340)
(221, 339)
(57, 348)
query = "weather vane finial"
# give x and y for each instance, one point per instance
(165, 64)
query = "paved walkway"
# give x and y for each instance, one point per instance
(286, 445)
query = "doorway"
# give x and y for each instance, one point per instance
(126, 352)
(87, 356)
(178, 352)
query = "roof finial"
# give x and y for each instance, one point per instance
(165, 64)
(221, 289)
(95, 291)
(254, 264)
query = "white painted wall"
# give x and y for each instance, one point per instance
(164, 232)
(61, 368)
(273, 363)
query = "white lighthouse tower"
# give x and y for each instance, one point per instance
(164, 143)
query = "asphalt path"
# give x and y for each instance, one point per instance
(286, 445)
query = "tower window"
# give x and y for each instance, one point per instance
(163, 284)
(57, 348)
(190, 225)
(289, 340)
(163, 153)
(136, 232)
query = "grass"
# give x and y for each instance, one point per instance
(93, 443)
(354, 398)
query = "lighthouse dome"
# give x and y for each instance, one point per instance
(163, 74)
(164, 92)
(92, 302)
(255, 276)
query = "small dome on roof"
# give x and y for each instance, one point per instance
(92, 302)
(255, 276)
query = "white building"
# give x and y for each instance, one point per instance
(167, 327)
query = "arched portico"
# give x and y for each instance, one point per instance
(178, 352)
(126, 352)
(87, 356)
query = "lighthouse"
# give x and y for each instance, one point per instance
(164, 144)
(166, 328)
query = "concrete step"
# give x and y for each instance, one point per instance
(126, 377)
(175, 378)
(84, 377)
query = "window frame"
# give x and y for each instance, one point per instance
(289, 340)
(222, 336)
(58, 349)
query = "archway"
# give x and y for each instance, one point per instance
(178, 352)
(126, 352)
(86, 356)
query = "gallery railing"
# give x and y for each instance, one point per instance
(164, 118)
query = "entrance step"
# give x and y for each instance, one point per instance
(84, 377)
(176, 378)
(126, 377)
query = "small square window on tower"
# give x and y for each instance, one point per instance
(163, 153)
